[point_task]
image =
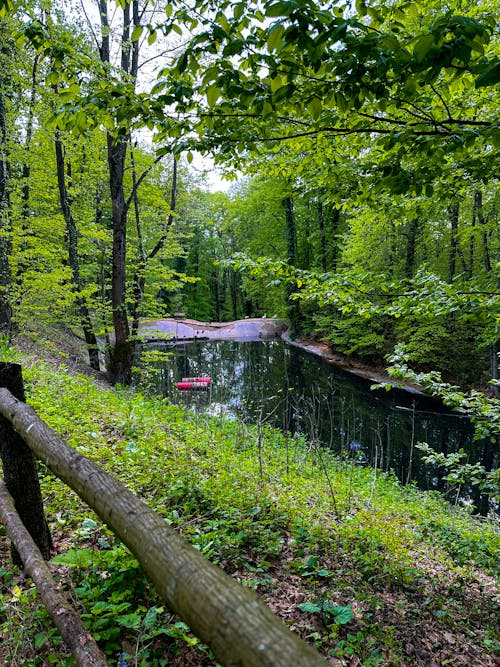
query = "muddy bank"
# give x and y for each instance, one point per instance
(350, 365)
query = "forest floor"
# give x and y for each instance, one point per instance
(369, 571)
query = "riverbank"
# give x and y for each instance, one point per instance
(370, 572)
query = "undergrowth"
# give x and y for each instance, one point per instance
(369, 571)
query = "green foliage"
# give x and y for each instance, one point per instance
(483, 411)
(328, 612)
(460, 473)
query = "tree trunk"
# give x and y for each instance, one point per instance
(411, 248)
(453, 213)
(479, 214)
(76, 637)
(74, 258)
(322, 236)
(293, 308)
(5, 223)
(238, 627)
(27, 144)
(335, 221)
(494, 352)
(19, 469)
(122, 354)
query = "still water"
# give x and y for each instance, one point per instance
(291, 389)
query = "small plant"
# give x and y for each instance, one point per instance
(328, 612)
(460, 473)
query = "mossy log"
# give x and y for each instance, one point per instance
(76, 637)
(239, 628)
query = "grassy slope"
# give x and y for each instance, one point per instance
(371, 572)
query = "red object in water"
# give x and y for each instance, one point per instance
(206, 379)
(189, 386)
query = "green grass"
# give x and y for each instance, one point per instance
(321, 539)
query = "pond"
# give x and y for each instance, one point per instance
(291, 389)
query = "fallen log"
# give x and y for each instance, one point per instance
(239, 628)
(76, 637)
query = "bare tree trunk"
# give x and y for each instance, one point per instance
(75, 635)
(74, 258)
(239, 628)
(19, 469)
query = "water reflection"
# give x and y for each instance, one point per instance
(297, 392)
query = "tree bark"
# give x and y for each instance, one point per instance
(335, 222)
(239, 628)
(74, 258)
(122, 354)
(27, 144)
(411, 248)
(322, 236)
(77, 638)
(5, 223)
(19, 468)
(293, 308)
(479, 214)
(453, 213)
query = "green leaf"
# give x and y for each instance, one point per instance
(284, 8)
(315, 107)
(275, 37)
(75, 558)
(423, 47)
(132, 621)
(151, 616)
(5, 7)
(341, 615)
(361, 7)
(310, 608)
(490, 76)
(89, 524)
(137, 32)
(213, 94)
